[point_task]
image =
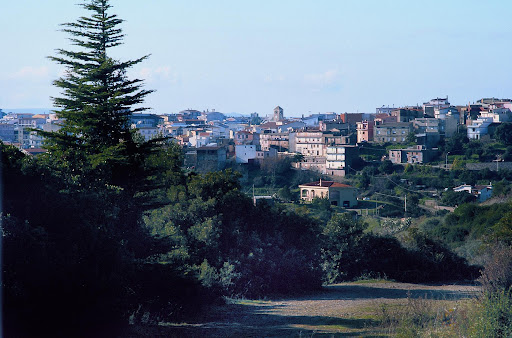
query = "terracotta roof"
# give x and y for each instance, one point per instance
(34, 151)
(268, 125)
(329, 184)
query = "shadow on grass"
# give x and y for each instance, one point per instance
(236, 320)
(353, 292)
(264, 318)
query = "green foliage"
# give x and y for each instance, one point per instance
(341, 236)
(411, 138)
(493, 317)
(76, 211)
(285, 194)
(452, 198)
(409, 168)
(497, 273)
(479, 220)
(456, 143)
(423, 260)
(233, 246)
(504, 133)
(501, 188)
(95, 146)
(386, 167)
(503, 229)
(507, 156)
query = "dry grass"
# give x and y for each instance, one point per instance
(361, 309)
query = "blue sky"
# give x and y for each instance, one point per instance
(249, 56)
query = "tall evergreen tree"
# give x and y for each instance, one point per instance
(97, 97)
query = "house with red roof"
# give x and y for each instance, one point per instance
(337, 193)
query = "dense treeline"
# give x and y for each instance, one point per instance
(74, 258)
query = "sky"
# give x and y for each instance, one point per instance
(245, 56)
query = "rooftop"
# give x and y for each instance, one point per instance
(328, 184)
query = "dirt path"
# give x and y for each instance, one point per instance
(338, 310)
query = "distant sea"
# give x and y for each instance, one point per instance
(27, 110)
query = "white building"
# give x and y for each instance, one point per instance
(498, 115)
(309, 143)
(479, 128)
(245, 153)
(481, 192)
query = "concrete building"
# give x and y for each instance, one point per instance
(365, 131)
(337, 193)
(384, 110)
(245, 137)
(339, 159)
(276, 140)
(245, 153)
(407, 114)
(314, 163)
(426, 124)
(430, 106)
(391, 132)
(309, 143)
(8, 132)
(384, 119)
(145, 120)
(415, 155)
(498, 115)
(351, 118)
(211, 158)
(479, 128)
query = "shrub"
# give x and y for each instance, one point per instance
(493, 317)
(497, 273)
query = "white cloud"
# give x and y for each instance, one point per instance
(29, 72)
(327, 78)
(274, 78)
(145, 73)
(160, 74)
(163, 71)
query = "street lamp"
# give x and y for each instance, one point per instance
(497, 160)
(446, 160)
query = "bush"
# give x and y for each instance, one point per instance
(493, 317)
(497, 273)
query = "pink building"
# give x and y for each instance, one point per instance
(365, 131)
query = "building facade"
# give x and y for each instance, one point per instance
(391, 132)
(337, 193)
(339, 159)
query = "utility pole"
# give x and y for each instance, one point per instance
(405, 206)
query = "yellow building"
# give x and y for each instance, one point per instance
(337, 193)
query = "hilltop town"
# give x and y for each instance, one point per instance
(329, 145)
(119, 222)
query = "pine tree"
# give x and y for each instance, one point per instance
(96, 153)
(97, 99)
